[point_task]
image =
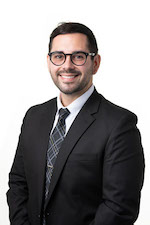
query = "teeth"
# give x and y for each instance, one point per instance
(68, 76)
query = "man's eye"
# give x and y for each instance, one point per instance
(58, 56)
(78, 57)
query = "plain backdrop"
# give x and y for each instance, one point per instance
(122, 29)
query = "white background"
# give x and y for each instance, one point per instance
(122, 29)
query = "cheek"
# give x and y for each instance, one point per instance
(53, 70)
(88, 71)
(89, 67)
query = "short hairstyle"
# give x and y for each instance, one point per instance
(70, 28)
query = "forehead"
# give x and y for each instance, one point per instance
(70, 42)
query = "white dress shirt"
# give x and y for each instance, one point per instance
(74, 108)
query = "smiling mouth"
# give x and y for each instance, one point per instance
(68, 77)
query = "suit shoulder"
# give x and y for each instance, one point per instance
(114, 112)
(41, 108)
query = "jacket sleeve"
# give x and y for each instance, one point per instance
(123, 173)
(17, 195)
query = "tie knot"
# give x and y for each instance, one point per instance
(63, 113)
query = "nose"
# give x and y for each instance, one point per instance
(68, 63)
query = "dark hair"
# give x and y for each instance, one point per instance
(70, 28)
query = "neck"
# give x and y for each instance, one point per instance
(66, 99)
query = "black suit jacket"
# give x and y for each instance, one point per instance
(98, 174)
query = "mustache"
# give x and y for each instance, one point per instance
(72, 71)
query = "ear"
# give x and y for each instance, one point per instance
(48, 63)
(48, 59)
(96, 63)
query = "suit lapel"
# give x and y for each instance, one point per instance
(82, 122)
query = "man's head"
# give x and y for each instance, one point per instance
(71, 28)
(69, 60)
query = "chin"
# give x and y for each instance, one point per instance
(67, 92)
(70, 91)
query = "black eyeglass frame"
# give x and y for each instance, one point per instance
(77, 52)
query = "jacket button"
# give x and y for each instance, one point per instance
(47, 214)
(39, 216)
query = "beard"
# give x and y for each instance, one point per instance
(71, 88)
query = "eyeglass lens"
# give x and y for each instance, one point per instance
(58, 58)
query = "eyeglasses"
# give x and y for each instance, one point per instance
(77, 58)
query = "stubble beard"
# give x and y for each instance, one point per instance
(72, 89)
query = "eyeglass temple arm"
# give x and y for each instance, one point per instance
(92, 54)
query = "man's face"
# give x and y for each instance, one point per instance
(69, 78)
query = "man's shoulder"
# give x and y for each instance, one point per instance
(44, 105)
(107, 107)
(113, 112)
(42, 108)
(113, 108)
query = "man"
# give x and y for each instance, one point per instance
(79, 159)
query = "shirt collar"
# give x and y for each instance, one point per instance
(77, 104)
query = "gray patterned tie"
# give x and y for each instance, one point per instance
(55, 142)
